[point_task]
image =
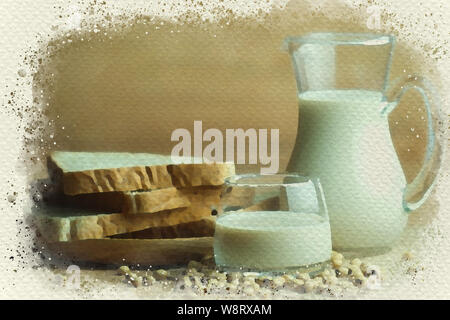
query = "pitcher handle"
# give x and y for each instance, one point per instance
(414, 194)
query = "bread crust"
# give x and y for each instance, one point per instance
(123, 202)
(138, 177)
(201, 228)
(66, 224)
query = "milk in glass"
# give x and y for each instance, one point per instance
(271, 240)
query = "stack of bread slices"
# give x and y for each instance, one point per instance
(130, 208)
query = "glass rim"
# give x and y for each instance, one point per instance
(235, 180)
(224, 217)
(340, 38)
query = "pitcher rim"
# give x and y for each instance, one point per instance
(340, 38)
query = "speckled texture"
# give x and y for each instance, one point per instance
(253, 86)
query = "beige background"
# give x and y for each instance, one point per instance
(127, 90)
(129, 93)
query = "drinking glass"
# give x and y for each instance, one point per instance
(272, 222)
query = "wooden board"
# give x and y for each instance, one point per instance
(153, 252)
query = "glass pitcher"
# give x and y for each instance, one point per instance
(344, 138)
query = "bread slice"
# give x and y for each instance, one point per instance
(61, 224)
(92, 172)
(235, 198)
(69, 224)
(154, 252)
(131, 202)
(201, 228)
(269, 204)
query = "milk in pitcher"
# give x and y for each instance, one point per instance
(343, 139)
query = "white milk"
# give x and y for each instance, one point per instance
(344, 139)
(271, 239)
